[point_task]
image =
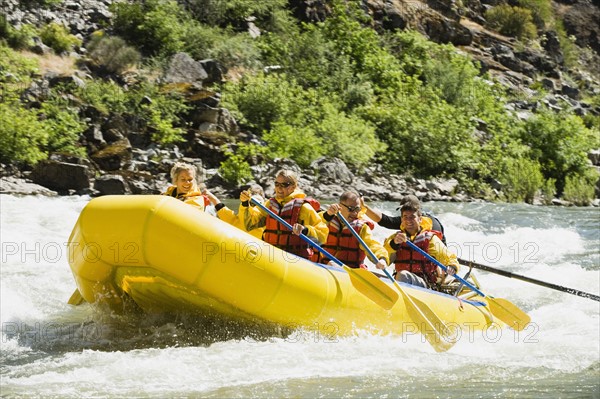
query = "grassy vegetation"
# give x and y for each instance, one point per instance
(339, 88)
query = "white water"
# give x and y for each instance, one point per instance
(51, 349)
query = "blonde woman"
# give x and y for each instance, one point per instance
(185, 186)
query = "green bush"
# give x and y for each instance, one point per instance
(259, 101)
(350, 138)
(113, 53)
(450, 74)
(17, 72)
(104, 96)
(58, 37)
(300, 144)
(568, 47)
(162, 112)
(522, 179)
(64, 127)
(579, 189)
(424, 135)
(156, 27)
(234, 12)
(22, 135)
(511, 21)
(548, 191)
(560, 142)
(541, 12)
(235, 169)
(18, 39)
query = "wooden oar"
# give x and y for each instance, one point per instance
(530, 280)
(363, 280)
(429, 324)
(501, 308)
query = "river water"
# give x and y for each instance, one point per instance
(52, 349)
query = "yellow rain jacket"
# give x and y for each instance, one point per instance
(194, 198)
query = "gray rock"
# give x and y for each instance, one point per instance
(111, 185)
(61, 176)
(16, 186)
(184, 69)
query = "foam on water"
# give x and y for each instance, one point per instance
(62, 351)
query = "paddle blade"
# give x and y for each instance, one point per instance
(76, 298)
(435, 331)
(509, 313)
(372, 287)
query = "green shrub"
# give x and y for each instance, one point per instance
(22, 135)
(579, 189)
(235, 169)
(548, 191)
(58, 37)
(234, 12)
(451, 74)
(541, 12)
(522, 179)
(424, 135)
(162, 111)
(560, 142)
(18, 39)
(511, 21)
(113, 53)
(156, 27)
(17, 72)
(300, 144)
(568, 47)
(350, 138)
(105, 96)
(259, 101)
(63, 126)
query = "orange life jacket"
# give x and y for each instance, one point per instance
(414, 262)
(343, 245)
(282, 237)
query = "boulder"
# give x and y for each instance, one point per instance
(184, 69)
(61, 176)
(114, 156)
(111, 185)
(332, 170)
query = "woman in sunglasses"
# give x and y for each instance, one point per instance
(293, 206)
(341, 243)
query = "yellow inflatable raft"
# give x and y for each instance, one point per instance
(167, 256)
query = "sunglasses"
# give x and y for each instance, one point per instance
(283, 185)
(351, 208)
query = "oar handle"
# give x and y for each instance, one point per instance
(302, 236)
(444, 268)
(531, 280)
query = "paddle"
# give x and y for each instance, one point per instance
(76, 299)
(363, 280)
(421, 314)
(530, 280)
(503, 309)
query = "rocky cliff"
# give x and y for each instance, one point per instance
(122, 160)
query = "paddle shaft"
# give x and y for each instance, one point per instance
(302, 236)
(530, 280)
(434, 260)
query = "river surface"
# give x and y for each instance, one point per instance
(51, 349)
